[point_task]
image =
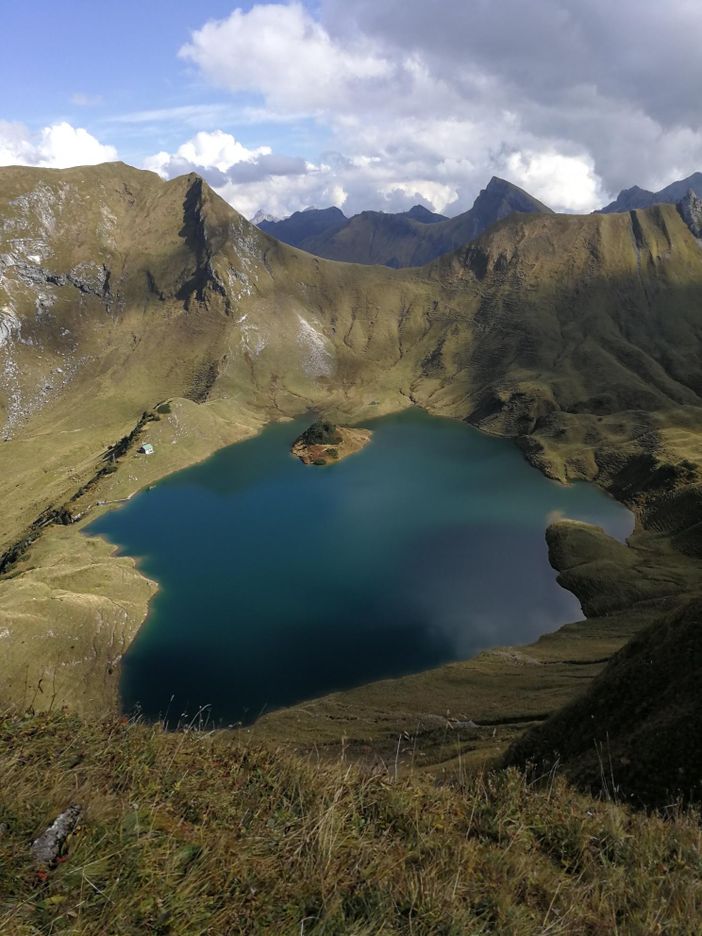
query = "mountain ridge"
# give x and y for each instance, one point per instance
(636, 197)
(402, 239)
(126, 298)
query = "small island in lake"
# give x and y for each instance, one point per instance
(324, 443)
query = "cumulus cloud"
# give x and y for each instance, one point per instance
(57, 146)
(617, 83)
(397, 195)
(16, 149)
(424, 102)
(280, 196)
(238, 173)
(210, 154)
(285, 55)
(557, 178)
(218, 149)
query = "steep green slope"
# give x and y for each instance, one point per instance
(193, 832)
(636, 730)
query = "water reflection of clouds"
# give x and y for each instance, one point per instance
(469, 632)
(479, 586)
(285, 581)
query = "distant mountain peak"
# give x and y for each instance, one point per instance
(496, 182)
(630, 199)
(401, 239)
(500, 198)
(262, 216)
(424, 215)
(304, 224)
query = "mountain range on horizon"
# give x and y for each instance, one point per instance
(418, 236)
(636, 197)
(404, 239)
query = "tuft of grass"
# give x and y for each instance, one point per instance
(195, 832)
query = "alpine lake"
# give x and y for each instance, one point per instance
(280, 582)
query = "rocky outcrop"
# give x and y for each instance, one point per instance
(690, 208)
(49, 847)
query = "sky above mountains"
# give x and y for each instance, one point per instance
(361, 103)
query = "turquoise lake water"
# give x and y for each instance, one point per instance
(280, 582)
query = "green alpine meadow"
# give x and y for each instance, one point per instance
(351, 470)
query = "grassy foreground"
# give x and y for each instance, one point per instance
(195, 833)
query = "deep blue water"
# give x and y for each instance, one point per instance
(280, 582)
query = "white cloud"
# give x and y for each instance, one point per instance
(248, 178)
(282, 53)
(216, 150)
(191, 114)
(562, 182)
(57, 146)
(409, 133)
(426, 100)
(62, 145)
(398, 194)
(15, 146)
(280, 196)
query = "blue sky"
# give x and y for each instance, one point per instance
(94, 64)
(360, 103)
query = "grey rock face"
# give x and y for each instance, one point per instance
(690, 208)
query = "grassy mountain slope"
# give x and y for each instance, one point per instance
(636, 730)
(194, 832)
(407, 239)
(578, 337)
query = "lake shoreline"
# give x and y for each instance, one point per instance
(450, 426)
(81, 693)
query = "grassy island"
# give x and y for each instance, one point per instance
(323, 443)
